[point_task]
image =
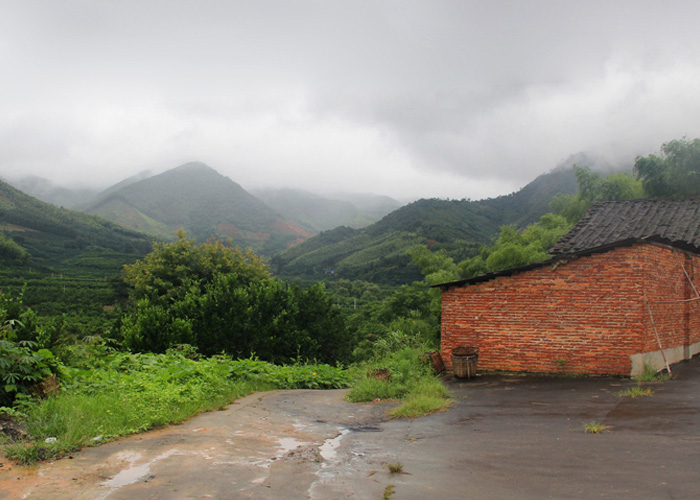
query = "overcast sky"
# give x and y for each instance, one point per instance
(459, 99)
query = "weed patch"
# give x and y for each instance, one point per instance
(123, 394)
(595, 427)
(388, 492)
(634, 392)
(395, 468)
(650, 374)
(410, 380)
(430, 396)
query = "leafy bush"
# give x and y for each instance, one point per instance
(23, 365)
(22, 368)
(220, 299)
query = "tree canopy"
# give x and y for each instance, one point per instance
(592, 186)
(673, 172)
(514, 248)
(221, 299)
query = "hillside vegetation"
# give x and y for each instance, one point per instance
(378, 252)
(199, 200)
(66, 262)
(62, 239)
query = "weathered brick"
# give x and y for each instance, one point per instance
(586, 316)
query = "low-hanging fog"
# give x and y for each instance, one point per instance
(405, 98)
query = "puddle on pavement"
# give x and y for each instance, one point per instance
(132, 474)
(288, 444)
(366, 428)
(330, 446)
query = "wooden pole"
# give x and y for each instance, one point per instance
(656, 332)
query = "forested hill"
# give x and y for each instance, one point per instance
(378, 252)
(45, 235)
(204, 203)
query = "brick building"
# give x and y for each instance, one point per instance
(619, 293)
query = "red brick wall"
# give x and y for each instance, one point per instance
(584, 316)
(677, 319)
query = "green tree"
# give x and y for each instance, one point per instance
(673, 172)
(12, 252)
(220, 299)
(437, 267)
(592, 186)
(514, 248)
(172, 269)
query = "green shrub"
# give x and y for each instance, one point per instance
(429, 396)
(410, 380)
(23, 365)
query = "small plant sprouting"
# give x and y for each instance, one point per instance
(388, 492)
(634, 392)
(396, 468)
(595, 427)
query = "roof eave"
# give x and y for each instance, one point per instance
(567, 256)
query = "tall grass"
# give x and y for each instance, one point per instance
(126, 394)
(411, 381)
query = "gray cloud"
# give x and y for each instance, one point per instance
(407, 98)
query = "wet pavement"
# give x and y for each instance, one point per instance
(505, 437)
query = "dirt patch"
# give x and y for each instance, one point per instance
(12, 430)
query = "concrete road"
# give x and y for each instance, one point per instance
(505, 437)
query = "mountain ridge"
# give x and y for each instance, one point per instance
(460, 227)
(198, 199)
(55, 235)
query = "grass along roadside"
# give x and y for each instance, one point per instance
(650, 374)
(108, 395)
(401, 376)
(123, 394)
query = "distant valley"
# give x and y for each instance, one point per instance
(315, 213)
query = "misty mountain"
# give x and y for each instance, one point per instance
(204, 203)
(597, 162)
(120, 185)
(375, 206)
(59, 238)
(316, 213)
(45, 190)
(378, 252)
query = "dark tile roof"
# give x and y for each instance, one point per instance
(675, 222)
